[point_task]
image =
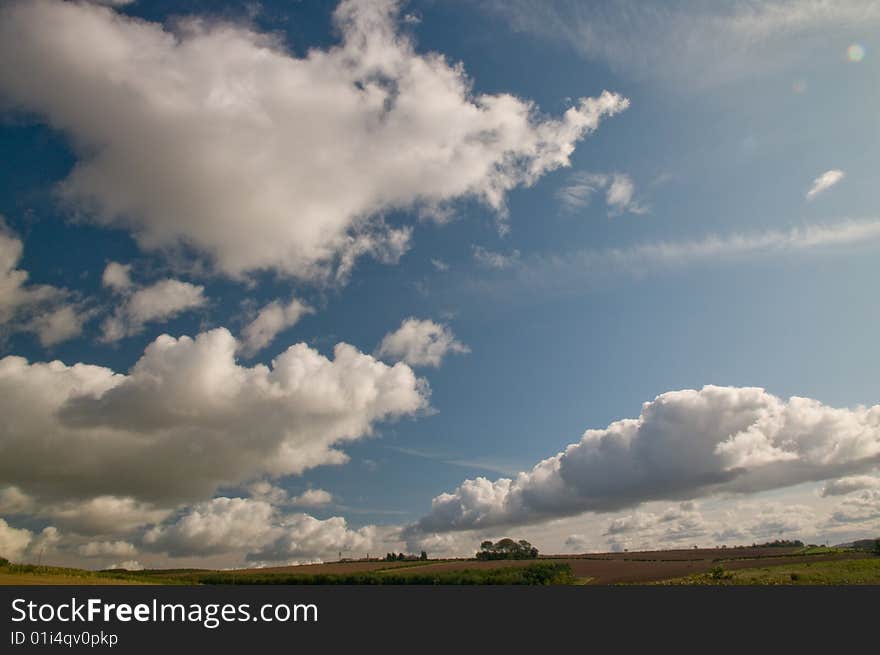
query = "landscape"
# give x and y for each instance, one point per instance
(439, 292)
(780, 563)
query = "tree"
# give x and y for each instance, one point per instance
(423, 556)
(877, 546)
(507, 549)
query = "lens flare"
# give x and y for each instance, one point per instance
(856, 52)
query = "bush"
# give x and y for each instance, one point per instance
(4, 561)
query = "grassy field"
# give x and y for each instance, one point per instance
(31, 574)
(865, 571)
(742, 566)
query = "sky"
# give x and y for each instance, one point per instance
(285, 281)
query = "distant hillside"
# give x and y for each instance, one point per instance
(859, 544)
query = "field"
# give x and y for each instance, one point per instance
(744, 566)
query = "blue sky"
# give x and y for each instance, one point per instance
(711, 221)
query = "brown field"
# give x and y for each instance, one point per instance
(597, 568)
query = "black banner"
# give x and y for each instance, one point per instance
(411, 619)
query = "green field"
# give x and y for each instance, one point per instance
(840, 572)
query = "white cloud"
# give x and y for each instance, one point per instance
(271, 320)
(824, 182)
(117, 276)
(160, 301)
(215, 137)
(300, 537)
(420, 343)
(258, 530)
(220, 525)
(496, 260)
(685, 444)
(850, 484)
(440, 265)
(128, 565)
(107, 549)
(13, 541)
(188, 413)
(312, 498)
(619, 192)
(37, 308)
(103, 514)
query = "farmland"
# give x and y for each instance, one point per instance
(757, 565)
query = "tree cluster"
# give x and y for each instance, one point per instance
(507, 549)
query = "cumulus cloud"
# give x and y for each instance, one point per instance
(117, 276)
(824, 182)
(685, 444)
(270, 320)
(107, 549)
(157, 302)
(496, 260)
(420, 343)
(215, 137)
(13, 541)
(256, 528)
(312, 498)
(618, 187)
(301, 537)
(187, 418)
(41, 309)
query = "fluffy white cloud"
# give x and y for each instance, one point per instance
(824, 182)
(300, 537)
(221, 525)
(117, 276)
(685, 444)
(312, 498)
(420, 343)
(270, 320)
(619, 192)
(107, 549)
(102, 514)
(255, 528)
(38, 308)
(216, 137)
(160, 301)
(13, 541)
(187, 419)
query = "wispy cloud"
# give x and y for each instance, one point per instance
(697, 44)
(824, 182)
(476, 463)
(618, 187)
(496, 260)
(594, 265)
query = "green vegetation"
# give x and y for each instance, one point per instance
(507, 549)
(823, 550)
(533, 574)
(34, 574)
(838, 572)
